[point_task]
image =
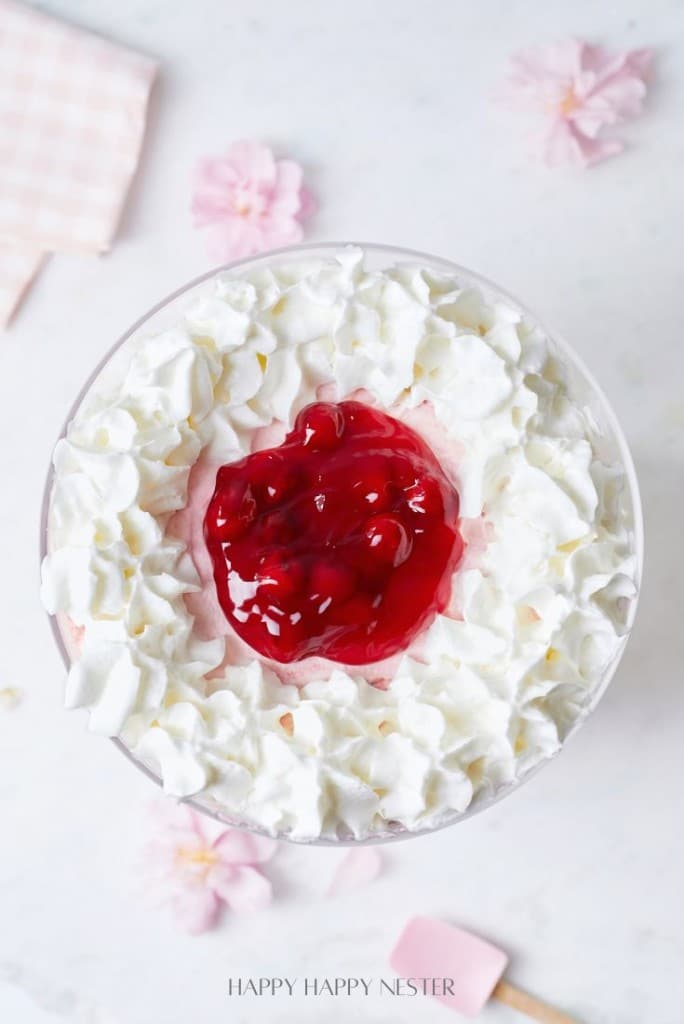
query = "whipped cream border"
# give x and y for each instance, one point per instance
(498, 690)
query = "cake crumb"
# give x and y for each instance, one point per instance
(287, 723)
(10, 697)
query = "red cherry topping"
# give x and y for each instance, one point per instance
(235, 508)
(340, 543)
(424, 497)
(388, 539)
(321, 425)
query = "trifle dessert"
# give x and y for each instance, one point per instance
(345, 548)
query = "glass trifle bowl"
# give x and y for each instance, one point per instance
(483, 672)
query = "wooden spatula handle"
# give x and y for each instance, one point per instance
(534, 1008)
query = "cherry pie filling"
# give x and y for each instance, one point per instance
(339, 543)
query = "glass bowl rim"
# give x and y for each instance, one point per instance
(489, 287)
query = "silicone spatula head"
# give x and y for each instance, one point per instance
(433, 949)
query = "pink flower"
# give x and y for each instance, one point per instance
(200, 874)
(582, 89)
(249, 201)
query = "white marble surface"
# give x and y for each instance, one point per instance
(388, 104)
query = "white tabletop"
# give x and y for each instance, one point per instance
(388, 105)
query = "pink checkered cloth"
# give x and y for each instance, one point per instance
(72, 119)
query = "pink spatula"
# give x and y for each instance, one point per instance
(471, 970)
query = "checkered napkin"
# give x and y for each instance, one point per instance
(72, 118)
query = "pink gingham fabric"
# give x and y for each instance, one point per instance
(72, 119)
(19, 264)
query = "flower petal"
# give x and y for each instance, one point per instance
(639, 62)
(233, 238)
(285, 199)
(566, 144)
(235, 847)
(605, 65)
(252, 161)
(618, 98)
(536, 64)
(564, 58)
(275, 233)
(242, 888)
(307, 205)
(176, 822)
(215, 182)
(196, 908)
(358, 868)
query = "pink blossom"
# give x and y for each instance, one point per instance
(358, 867)
(200, 874)
(249, 201)
(581, 89)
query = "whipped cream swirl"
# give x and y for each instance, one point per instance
(539, 610)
